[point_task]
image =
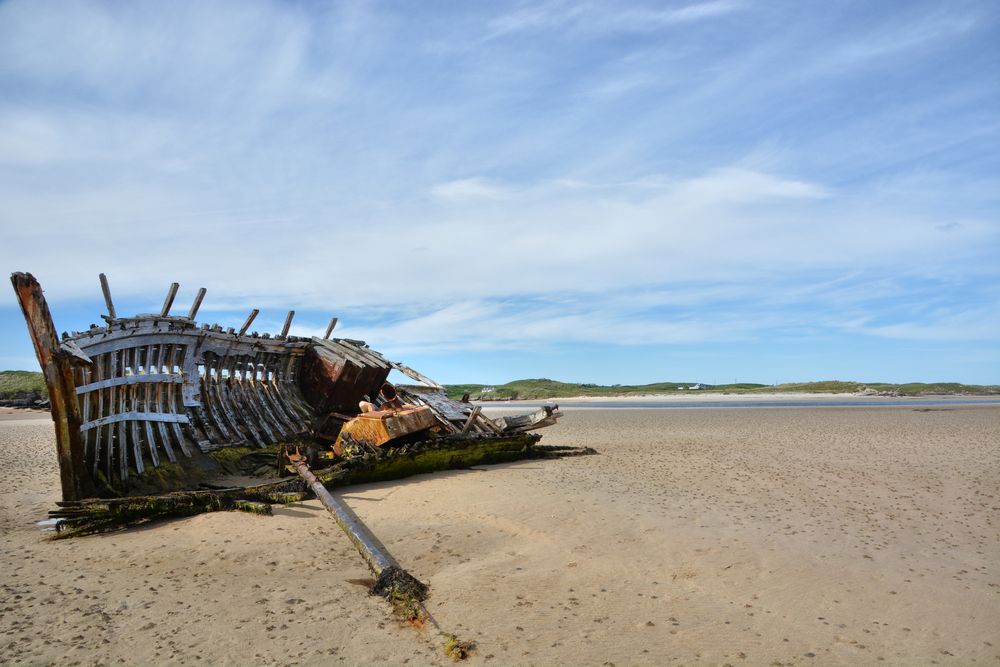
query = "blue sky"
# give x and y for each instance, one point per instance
(597, 192)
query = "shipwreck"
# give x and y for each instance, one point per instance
(157, 416)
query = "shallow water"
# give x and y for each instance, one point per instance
(768, 403)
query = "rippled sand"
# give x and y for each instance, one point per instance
(739, 536)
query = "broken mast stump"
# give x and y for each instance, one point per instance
(404, 591)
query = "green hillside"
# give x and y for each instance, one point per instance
(21, 384)
(542, 388)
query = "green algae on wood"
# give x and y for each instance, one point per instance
(97, 516)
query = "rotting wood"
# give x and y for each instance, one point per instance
(106, 289)
(374, 553)
(85, 517)
(330, 327)
(197, 303)
(419, 377)
(401, 589)
(249, 321)
(57, 367)
(471, 420)
(147, 385)
(169, 301)
(288, 323)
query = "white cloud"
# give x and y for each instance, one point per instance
(602, 17)
(469, 188)
(323, 157)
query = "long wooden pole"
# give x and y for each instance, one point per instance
(392, 582)
(57, 367)
(369, 546)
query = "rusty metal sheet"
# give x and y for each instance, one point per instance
(382, 426)
(333, 382)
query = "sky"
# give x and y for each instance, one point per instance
(612, 192)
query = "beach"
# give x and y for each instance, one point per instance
(741, 536)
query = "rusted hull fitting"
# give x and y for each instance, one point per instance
(148, 391)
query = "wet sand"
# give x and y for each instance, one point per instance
(712, 536)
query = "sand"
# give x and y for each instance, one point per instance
(711, 536)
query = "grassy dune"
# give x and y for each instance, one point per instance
(17, 384)
(545, 388)
(20, 384)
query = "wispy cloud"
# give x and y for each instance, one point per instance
(603, 17)
(503, 176)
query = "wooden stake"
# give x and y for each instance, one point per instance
(250, 318)
(288, 323)
(169, 301)
(107, 296)
(197, 303)
(329, 329)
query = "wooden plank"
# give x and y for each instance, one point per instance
(225, 403)
(85, 412)
(123, 445)
(439, 402)
(146, 362)
(133, 406)
(197, 303)
(283, 391)
(156, 417)
(406, 370)
(243, 404)
(98, 374)
(249, 321)
(205, 341)
(171, 399)
(106, 289)
(488, 423)
(268, 399)
(240, 383)
(330, 327)
(169, 301)
(129, 380)
(288, 324)
(255, 388)
(156, 364)
(211, 407)
(471, 420)
(112, 407)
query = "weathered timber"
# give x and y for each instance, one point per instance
(146, 386)
(103, 515)
(249, 321)
(197, 303)
(106, 289)
(58, 369)
(472, 418)
(391, 578)
(169, 301)
(419, 377)
(288, 323)
(329, 328)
